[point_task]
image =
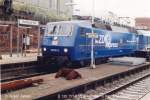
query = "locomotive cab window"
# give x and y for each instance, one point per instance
(53, 29)
(60, 29)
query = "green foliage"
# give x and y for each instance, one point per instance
(1, 2)
(40, 13)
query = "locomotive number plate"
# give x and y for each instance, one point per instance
(55, 42)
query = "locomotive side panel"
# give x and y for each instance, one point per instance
(106, 44)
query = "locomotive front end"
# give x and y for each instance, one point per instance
(58, 40)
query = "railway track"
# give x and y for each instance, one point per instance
(22, 70)
(20, 73)
(15, 71)
(133, 92)
(131, 87)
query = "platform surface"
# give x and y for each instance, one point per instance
(6, 59)
(52, 85)
(146, 97)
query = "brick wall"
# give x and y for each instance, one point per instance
(143, 21)
(5, 38)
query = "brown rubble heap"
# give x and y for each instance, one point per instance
(68, 74)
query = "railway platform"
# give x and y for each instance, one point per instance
(6, 59)
(52, 86)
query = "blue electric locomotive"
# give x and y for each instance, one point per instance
(72, 40)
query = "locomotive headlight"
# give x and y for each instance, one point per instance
(44, 49)
(65, 50)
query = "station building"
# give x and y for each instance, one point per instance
(41, 10)
(143, 22)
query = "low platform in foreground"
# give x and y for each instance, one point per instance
(52, 85)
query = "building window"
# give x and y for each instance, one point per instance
(58, 6)
(50, 3)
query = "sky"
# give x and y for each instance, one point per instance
(123, 8)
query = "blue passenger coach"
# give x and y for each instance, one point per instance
(144, 40)
(71, 39)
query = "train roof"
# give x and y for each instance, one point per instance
(87, 24)
(76, 22)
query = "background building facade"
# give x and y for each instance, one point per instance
(143, 23)
(47, 10)
(48, 7)
(42, 10)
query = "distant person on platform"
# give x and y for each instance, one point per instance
(26, 41)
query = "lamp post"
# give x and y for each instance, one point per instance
(92, 39)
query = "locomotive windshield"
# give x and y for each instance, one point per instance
(59, 29)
